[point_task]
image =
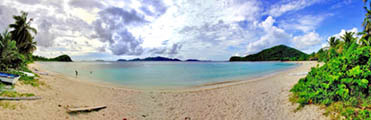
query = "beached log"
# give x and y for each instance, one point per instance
(86, 109)
(20, 98)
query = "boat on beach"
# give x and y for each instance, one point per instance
(9, 78)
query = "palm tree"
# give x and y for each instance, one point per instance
(9, 56)
(348, 38)
(22, 34)
(366, 34)
(333, 41)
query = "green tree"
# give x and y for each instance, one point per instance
(366, 34)
(348, 38)
(9, 56)
(334, 42)
(21, 33)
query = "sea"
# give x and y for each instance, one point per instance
(165, 74)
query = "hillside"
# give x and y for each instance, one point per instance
(280, 52)
(61, 58)
(155, 59)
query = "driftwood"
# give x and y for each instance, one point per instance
(86, 109)
(20, 98)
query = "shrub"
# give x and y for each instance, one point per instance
(9, 55)
(344, 78)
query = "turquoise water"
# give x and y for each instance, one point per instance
(165, 74)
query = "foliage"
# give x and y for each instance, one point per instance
(15, 94)
(336, 46)
(61, 58)
(366, 38)
(21, 33)
(348, 38)
(28, 80)
(343, 82)
(7, 105)
(345, 79)
(158, 58)
(16, 46)
(39, 58)
(64, 58)
(334, 42)
(280, 52)
(9, 56)
(322, 55)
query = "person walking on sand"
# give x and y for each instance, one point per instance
(77, 73)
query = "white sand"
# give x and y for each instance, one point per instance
(261, 98)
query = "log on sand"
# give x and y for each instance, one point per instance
(86, 109)
(20, 98)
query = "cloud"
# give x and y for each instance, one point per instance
(272, 36)
(153, 8)
(173, 50)
(339, 4)
(287, 6)
(31, 2)
(6, 14)
(85, 4)
(140, 28)
(307, 41)
(202, 26)
(338, 35)
(46, 37)
(342, 32)
(208, 33)
(304, 23)
(112, 27)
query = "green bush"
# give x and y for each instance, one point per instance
(9, 55)
(345, 78)
(28, 80)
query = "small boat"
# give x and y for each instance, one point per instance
(9, 78)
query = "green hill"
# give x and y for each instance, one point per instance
(280, 52)
(61, 58)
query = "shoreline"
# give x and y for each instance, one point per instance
(243, 80)
(262, 98)
(232, 81)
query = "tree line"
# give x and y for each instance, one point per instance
(343, 83)
(17, 46)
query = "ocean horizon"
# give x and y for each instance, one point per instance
(165, 74)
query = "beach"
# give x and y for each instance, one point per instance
(265, 97)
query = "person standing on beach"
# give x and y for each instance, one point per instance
(77, 73)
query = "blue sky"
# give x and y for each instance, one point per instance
(185, 29)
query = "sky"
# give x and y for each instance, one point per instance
(185, 29)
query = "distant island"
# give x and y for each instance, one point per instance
(159, 58)
(61, 58)
(192, 60)
(276, 53)
(121, 60)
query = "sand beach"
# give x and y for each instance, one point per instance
(263, 98)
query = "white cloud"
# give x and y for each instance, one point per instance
(139, 28)
(201, 26)
(307, 41)
(271, 36)
(304, 23)
(342, 32)
(337, 35)
(286, 6)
